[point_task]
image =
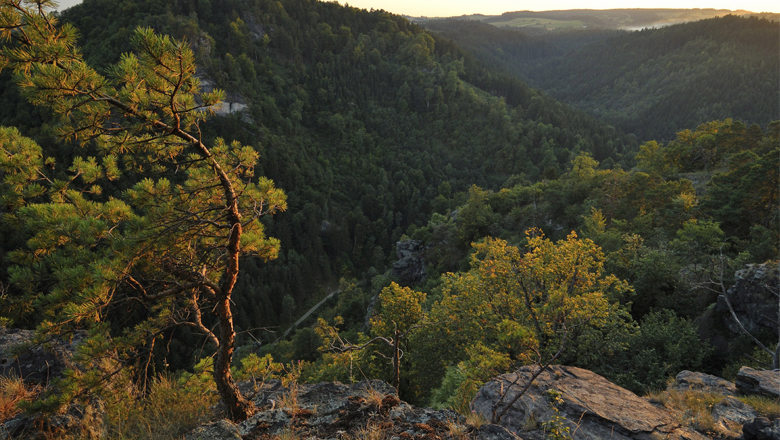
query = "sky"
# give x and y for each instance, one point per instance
(448, 8)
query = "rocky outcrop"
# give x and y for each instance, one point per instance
(369, 409)
(226, 108)
(691, 380)
(410, 267)
(765, 383)
(232, 104)
(731, 414)
(78, 421)
(36, 364)
(762, 429)
(752, 298)
(220, 430)
(593, 407)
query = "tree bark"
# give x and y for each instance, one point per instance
(238, 407)
(397, 361)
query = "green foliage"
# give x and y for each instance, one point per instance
(462, 381)
(258, 369)
(373, 125)
(400, 309)
(359, 168)
(697, 238)
(663, 346)
(652, 82)
(349, 366)
(520, 308)
(305, 344)
(555, 428)
(746, 194)
(655, 232)
(132, 267)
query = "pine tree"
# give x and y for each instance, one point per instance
(163, 253)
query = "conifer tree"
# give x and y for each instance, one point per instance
(161, 253)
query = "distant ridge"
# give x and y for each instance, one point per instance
(626, 19)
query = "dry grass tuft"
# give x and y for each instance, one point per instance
(289, 400)
(767, 407)
(475, 419)
(457, 431)
(168, 411)
(374, 397)
(12, 391)
(287, 434)
(370, 432)
(693, 408)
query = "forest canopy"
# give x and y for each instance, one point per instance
(652, 83)
(532, 232)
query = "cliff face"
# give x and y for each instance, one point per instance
(754, 299)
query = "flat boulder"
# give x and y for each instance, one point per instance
(765, 383)
(695, 381)
(593, 408)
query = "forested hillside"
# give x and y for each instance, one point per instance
(652, 82)
(527, 232)
(685, 219)
(362, 118)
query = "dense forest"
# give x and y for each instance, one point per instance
(446, 204)
(362, 118)
(652, 83)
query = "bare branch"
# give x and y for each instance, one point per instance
(497, 417)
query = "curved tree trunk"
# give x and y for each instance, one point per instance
(238, 407)
(397, 361)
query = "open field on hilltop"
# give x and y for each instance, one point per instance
(535, 22)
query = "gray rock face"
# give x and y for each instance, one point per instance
(731, 414)
(761, 429)
(691, 380)
(38, 364)
(765, 383)
(734, 410)
(410, 267)
(87, 421)
(495, 432)
(226, 108)
(221, 430)
(232, 104)
(752, 299)
(369, 409)
(593, 407)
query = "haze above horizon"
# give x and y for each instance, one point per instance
(451, 8)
